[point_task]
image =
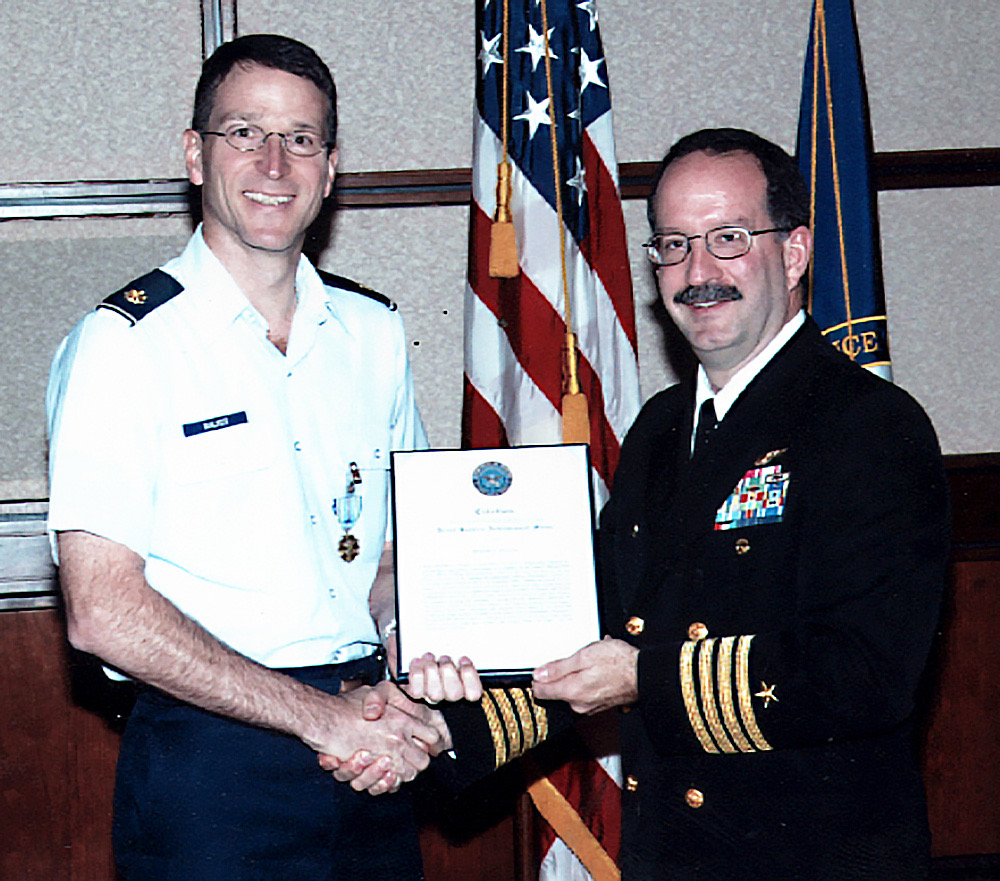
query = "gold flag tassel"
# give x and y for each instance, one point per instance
(503, 244)
(575, 416)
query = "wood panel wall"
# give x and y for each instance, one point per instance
(58, 737)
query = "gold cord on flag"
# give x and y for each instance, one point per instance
(814, 136)
(836, 167)
(820, 50)
(575, 418)
(503, 244)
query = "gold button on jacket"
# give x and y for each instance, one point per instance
(635, 625)
(695, 798)
(697, 631)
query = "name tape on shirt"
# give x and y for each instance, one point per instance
(215, 423)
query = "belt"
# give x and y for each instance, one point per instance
(353, 674)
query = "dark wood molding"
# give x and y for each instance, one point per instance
(910, 170)
(933, 169)
(905, 170)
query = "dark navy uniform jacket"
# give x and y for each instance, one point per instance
(783, 588)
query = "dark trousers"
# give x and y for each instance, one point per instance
(202, 797)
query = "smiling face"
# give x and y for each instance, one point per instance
(703, 191)
(264, 200)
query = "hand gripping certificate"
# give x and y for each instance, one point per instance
(494, 554)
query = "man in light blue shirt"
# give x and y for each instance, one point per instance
(220, 434)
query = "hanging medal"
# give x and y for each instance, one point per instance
(348, 510)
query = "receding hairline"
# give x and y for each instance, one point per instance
(710, 153)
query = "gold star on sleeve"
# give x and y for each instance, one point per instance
(767, 693)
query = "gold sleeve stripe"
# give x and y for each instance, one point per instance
(541, 718)
(496, 728)
(509, 721)
(529, 734)
(515, 721)
(724, 675)
(690, 700)
(743, 692)
(536, 712)
(706, 649)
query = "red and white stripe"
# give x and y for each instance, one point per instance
(514, 336)
(514, 328)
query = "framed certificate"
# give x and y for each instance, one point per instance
(494, 556)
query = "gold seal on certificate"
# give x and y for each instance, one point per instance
(494, 556)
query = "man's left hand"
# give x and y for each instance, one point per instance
(600, 676)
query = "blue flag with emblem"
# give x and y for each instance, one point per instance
(846, 297)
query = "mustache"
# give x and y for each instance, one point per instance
(707, 293)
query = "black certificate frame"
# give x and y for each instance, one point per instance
(483, 459)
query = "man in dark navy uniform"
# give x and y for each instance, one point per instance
(214, 428)
(772, 561)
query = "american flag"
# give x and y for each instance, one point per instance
(515, 327)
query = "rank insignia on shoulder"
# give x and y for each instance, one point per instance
(759, 498)
(140, 297)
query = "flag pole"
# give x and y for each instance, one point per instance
(575, 415)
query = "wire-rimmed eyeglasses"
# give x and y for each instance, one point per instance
(247, 138)
(724, 242)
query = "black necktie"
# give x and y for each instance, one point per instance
(706, 425)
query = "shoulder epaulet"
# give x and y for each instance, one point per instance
(140, 297)
(338, 281)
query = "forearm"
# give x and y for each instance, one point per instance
(113, 613)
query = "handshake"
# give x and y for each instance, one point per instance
(399, 726)
(397, 730)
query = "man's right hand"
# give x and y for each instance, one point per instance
(402, 740)
(431, 680)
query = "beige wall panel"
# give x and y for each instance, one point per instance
(51, 274)
(417, 257)
(95, 90)
(404, 74)
(941, 283)
(405, 71)
(675, 68)
(932, 72)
